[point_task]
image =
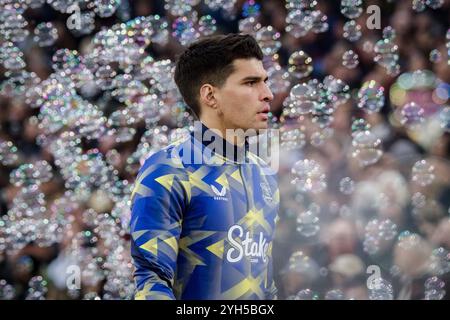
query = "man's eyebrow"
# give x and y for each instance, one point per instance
(254, 78)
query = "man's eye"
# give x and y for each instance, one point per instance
(251, 83)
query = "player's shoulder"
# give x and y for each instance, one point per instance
(169, 156)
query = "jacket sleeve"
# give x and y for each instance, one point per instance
(158, 202)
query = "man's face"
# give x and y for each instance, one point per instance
(244, 98)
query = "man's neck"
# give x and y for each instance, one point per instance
(220, 129)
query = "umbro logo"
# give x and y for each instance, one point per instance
(220, 195)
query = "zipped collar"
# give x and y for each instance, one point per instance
(220, 146)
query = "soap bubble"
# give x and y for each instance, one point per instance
(299, 23)
(7, 291)
(303, 98)
(207, 25)
(423, 173)
(352, 31)
(335, 294)
(412, 115)
(45, 34)
(267, 38)
(106, 8)
(371, 97)
(346, 186)
(319, 22)
(351, 8)
(37, 288)
(435, 56)
(366, 148)
(435, 4)
(292, 139)
(350, 59)
(381, 289)
(418, 5)
(444, 118)
(8, 153)
(359, 125)
(300, 64)
(434, 289)
(306, 294)
(308, 176)
(308, 221)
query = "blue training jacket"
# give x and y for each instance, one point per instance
(204, 230)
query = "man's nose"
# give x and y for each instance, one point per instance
(267, 94)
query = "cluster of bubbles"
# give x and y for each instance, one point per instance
(421, 5)
(380, 289)
(303, 17)
(386, 52)
(312, 99)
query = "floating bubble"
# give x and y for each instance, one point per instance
(7, 291)
(423, 173)
(351, 8)
(359, 125)
(381, 289)
(45, 34)
(184, 30)
(389, 34)
(440, 261)
(408, 240)
(278, 79)
(318, 138)
(106, 8)
(249, 25)
(435, 56)
(300, 64)
(319, 22)
(308, 221)
(333, 92)
(250, 9)
(371, 97)
(267, 38)
(303, 98)
(352, 31)
(207, 25)
(37, 288)
(387, 229)
(298, 23)
(412, 115)
(346, 185)
(350, 59)
(434, 289)
(292, 139)
(366, 148)
(444, 118)
(308, 176)
(435, 4)
(11, 56)
(8, 153)
(31, 173)
(418, 5)
(335, 294)
(306, 294)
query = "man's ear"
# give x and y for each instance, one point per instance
(207, 96)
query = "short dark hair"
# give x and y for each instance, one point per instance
(210, 60)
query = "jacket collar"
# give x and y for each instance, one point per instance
(220, 146)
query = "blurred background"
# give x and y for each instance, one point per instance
(361, 104)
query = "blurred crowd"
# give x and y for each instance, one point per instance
(377, 221)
